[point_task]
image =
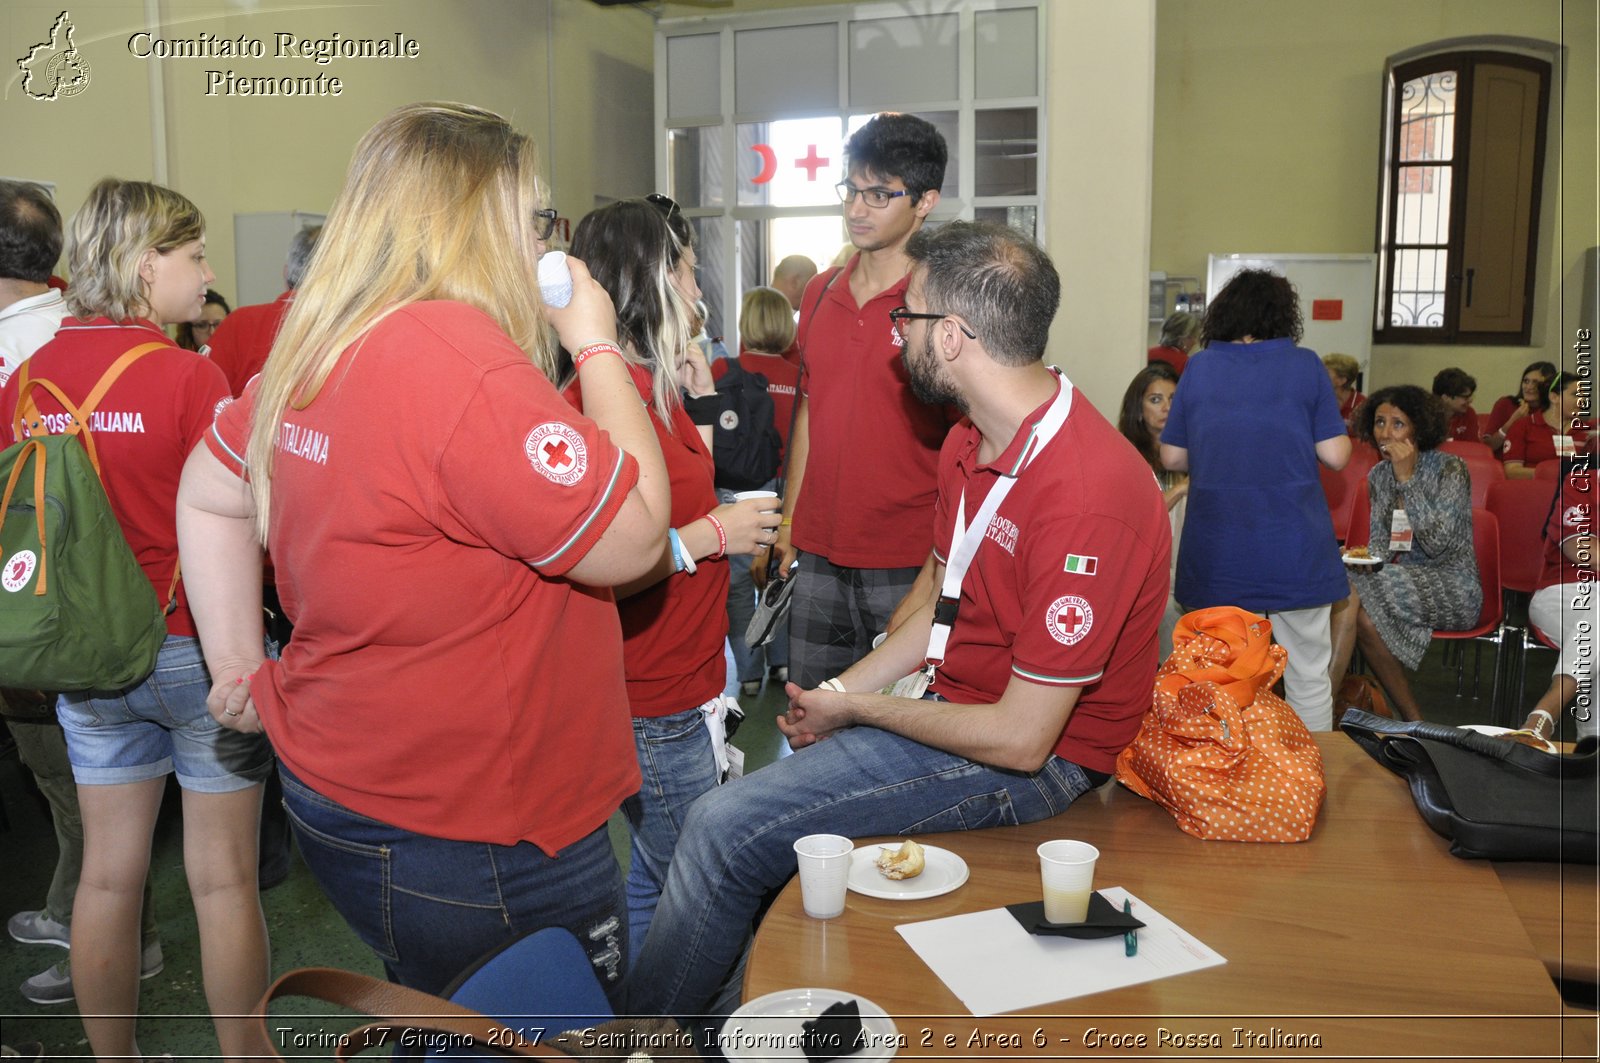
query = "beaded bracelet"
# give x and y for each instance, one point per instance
(722, 537)
(1548, 719)
(590, 349)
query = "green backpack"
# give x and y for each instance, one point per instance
(76, 610)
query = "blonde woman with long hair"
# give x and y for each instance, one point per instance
(674, 618)
(450, 716)
(137, 256)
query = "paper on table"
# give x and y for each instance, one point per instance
(995, 966)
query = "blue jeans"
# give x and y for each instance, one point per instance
(738, 843)
(158, 727)
(677, 765)
(431, 907)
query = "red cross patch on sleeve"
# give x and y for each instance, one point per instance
(557, 452)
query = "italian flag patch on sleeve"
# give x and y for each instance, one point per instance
(1081, 565)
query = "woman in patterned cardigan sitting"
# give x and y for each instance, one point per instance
(1421, 527)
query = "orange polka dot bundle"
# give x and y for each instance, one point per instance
(1218, 749)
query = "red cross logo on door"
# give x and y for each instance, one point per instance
(1069, 619)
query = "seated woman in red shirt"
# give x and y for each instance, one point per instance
(674, 615)
(1343, 371)
(137, 256)
(450, 716)
(1533, 395)
(1455, 388)
(1560, 430)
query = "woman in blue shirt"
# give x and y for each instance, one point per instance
(1252, 417)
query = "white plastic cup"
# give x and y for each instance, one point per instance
(1067, 870)
(555, 279)
(740, 496)
(824, 871)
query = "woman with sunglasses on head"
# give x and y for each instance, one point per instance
(450, 716)
(1560, 430)
(137, 257)
(674, 618)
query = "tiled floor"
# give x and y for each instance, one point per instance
(305, 931)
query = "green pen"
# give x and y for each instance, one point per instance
(1130, 940)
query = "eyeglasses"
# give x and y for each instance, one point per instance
(877, 198)
(665, 204)
(544, 222)
(204, 324)
(900, 314)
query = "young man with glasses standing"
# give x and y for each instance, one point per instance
(1051, 549)
(859, 487)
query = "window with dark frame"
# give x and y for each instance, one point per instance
(1464, 148)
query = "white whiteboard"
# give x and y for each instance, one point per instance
(1336, 296)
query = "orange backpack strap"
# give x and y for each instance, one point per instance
(27, 413)
(32, 447)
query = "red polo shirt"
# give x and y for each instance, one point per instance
(1574, 513)
(1173, 356)
(144, 429)
(241, 343)
(1464, 426)
(443, 677)
(1069, 585)
(869, 487)
(1532, 440)
(672, 632)
(783, 381)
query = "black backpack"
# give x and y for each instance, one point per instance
(745, 444)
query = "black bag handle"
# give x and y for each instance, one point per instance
(1373, 733)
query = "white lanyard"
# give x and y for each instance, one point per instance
(967, 538)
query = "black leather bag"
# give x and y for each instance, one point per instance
(1494, 799)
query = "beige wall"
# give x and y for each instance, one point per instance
(1267, 139)
(241, 155)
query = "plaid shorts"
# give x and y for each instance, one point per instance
(837, 612)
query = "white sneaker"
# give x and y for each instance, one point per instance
(36, 928)
(54, 984)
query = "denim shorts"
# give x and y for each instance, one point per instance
(161, 726)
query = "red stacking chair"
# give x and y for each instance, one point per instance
(1521, 507)
(1340, 488)
(1469, 450)
(1486, 545)
(1358, 529)
(1485, 474)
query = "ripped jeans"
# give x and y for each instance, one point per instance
(431, 907)
(738, 842)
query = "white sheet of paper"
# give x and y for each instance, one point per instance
(995, 966)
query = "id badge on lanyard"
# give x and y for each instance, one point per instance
(966, 539)
(1400, 535)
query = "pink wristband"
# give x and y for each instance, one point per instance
(589, 349)
(722, 538)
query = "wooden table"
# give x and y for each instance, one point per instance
(1370, 937)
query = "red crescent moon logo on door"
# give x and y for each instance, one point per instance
(769, 163)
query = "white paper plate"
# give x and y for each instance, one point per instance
(942, 871)
(1492, 731)
(773, 1026)
(1362, 562)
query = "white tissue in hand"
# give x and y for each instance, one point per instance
(555, 280)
